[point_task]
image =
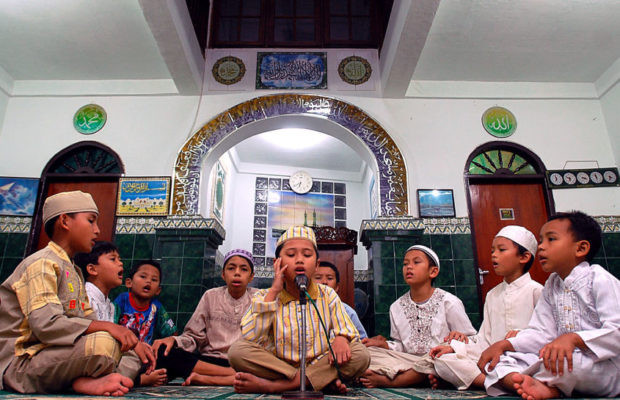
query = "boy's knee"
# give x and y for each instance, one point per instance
(102, 344)
(360, 359)
(236, 353)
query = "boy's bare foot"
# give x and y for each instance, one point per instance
(156, 378)
(533, 389)
(371, 379)
(434, 381)
(205, 380)
(113, 384)
(247, 383)
(336, 386)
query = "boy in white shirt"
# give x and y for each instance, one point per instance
(507, 309)
(572, 343)
(421, 319)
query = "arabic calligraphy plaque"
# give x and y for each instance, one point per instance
(354, 70)
(291, 71)
(499, 122)
(228, 70)
(89, 119)
(143, 196)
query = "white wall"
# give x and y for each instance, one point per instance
(4, 101)
(610, 103)
(435, 136)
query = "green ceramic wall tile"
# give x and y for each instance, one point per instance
(441, 245)
(16, 245)
(116, 291)
(171, 270)
(194, 249)
(143, 247)
(464, 273)
(382, 324)
(171, 249)
(469, 297)
(384, 297)
(388, 273)
(613, 265)
(169, 297)
(192, 271)
(4, 272)
(181, 320)
(401, 290)
(462, 246)
(475, 320)
(3, 238)
(611, 245)
(450, 289)
(127, 265)
(387, 250)
(189, 297)
(398, 272)
(600, 261)
(446, 274)
(125, 244)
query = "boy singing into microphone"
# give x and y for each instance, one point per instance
(268, 355)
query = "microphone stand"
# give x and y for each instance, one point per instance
(302, 393)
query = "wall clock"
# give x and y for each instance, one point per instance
(300, 182)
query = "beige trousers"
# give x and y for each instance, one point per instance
(245, 356)
(54, 368)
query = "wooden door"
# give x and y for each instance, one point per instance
(526, 201)
(104, 193)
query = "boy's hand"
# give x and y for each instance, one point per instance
(125, 337)
(456, 336)
(554, 353)
(341, 349)
(145, 352)
(440, 350)
(169, 342)
(376, 341)
(492, 354)
(511, 333)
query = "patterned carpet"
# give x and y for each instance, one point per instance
(220, 393)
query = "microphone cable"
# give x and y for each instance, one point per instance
(324, 330)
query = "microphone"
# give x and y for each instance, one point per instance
(302, 282)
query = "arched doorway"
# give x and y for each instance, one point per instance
(360, 127)
(87, 166)
(505, 185)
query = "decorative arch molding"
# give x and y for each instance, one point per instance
(392, 174)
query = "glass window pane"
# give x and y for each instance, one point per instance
(249, 29)
(284, 7)
(229, 8)
(338, 28)
(227, 30)
(361, 28)
(360, 7)
(250, 7)
(339, 7)
(305, 30)
(283, 30)
(305, 8)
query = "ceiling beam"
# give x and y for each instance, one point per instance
(409, 25)
(172, 29)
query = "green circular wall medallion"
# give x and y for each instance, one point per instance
(499, 122)
(89, 119)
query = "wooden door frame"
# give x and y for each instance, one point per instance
(503, 177)
(48, 178)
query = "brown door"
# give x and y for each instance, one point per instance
(526, 201)
(104, 193)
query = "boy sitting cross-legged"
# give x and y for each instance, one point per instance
(507, 309)
(572, 343)
(50, 340)
(199, 354)
(421, 319)
(267, 357)
(103, 271)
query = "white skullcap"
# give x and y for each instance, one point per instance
(67, 203)
(426, 251)
(521, 236)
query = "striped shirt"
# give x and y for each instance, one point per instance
(276, 325)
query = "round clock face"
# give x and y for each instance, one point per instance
(596, 177)
(570, 178)
(300, 182)
(583, 178)
(556, 178)
(610, 176)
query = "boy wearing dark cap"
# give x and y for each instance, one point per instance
(199, 354)
(50, 339)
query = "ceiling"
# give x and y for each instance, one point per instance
(85, 47)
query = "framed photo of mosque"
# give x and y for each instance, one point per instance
(434, 203)
(143, 196)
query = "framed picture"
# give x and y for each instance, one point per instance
(219, 191)
(291, 71)
(18, 196)
(143, 196)
(436, 203)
